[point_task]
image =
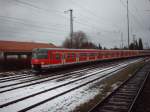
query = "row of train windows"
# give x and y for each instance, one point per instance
(72, 55)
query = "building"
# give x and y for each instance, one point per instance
(13, 50)
(20, 48)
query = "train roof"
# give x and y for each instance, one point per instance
(82, 49)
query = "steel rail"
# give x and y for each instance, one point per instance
(60, 94)
(46, 76)
(38, 82)
(139, 92)
(117, 89)
(6, 104)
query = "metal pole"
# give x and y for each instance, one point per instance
(71, 26)
(128, 25)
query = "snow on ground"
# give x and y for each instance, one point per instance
(22, 92)
(16, 81)
(66, 102)
(30, 101)
(115, 85)
(59, 79)
(69, 101)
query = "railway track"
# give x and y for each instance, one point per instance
(51, 92)
(142, 102)
(27, 74)
(124, 97)
(11, 76)
(12, 86)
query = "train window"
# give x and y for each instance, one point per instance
(57, 56)
(40, 54)
(70, 55)
(73, 56)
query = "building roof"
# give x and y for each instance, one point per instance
(14, 46)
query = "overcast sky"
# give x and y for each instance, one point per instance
(102, 20)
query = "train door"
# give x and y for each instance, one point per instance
(70, 57)
(56, 57)
(50, 57)
(77, 56)
(63, 58)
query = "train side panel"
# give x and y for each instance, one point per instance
(45, 57)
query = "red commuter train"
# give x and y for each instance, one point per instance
(52, 57)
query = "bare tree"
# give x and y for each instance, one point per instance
(66, 43)
(79, 41)
(140, 44)
(79, 38)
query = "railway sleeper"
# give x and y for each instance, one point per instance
(122, 97)
(118, 103)
(132, 86)
(120, 100)
(127, 91)
(108, 110)
(135, 81)
(105, 110)
(115, 108)
(125, 94)
(130, 90)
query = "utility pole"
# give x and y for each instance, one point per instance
(128, 25)
(71, 26)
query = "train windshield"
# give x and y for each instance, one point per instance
(40, 54)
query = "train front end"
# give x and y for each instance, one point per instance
(39, 58)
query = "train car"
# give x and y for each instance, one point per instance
(54, 57)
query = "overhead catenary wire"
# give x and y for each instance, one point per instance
(139, 15)
(30, 34)
(134, 17)
(91, 24)
(57, 12)
(47, 10)
(37, 7)
(93, 14)
(20, 21)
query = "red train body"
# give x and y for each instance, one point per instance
(46, 57)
